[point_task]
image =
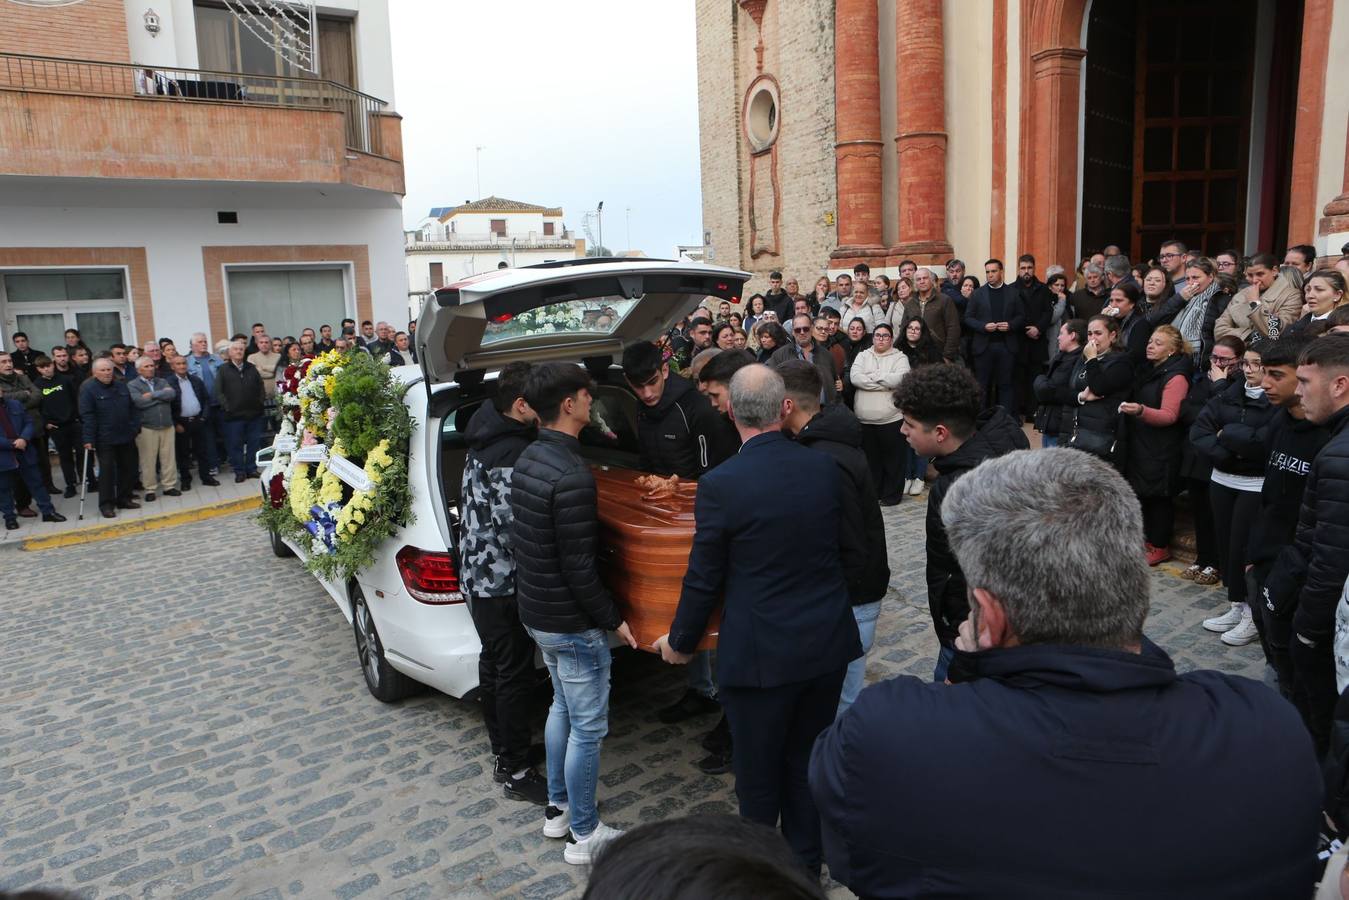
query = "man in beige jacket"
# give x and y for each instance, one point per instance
(1270, 297)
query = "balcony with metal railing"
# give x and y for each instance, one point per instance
(81, 118)
(431, 239)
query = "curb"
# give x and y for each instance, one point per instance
(94, 533)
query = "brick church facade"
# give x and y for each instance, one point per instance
(839, 131)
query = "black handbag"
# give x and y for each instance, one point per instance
(1097, 443)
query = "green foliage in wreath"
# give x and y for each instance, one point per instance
(371, 428)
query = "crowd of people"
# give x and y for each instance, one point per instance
(135, 423)
(1147, 385)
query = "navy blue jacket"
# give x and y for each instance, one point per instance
(786, 616)
(22, 423)
(979, 312)
(198, 388)
(1069, 772)
(107, 413)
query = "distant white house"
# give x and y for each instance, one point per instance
(452, 242)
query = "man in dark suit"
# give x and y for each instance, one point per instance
(995, 317)
(787, 630)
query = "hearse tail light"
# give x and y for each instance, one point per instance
(723, 287)
(501, 319)
(430, 576)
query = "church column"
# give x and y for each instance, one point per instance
(920, 143)
(857, 130)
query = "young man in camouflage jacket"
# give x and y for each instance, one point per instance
(497, 433)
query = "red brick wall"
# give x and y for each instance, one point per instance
(142, 309)
(93, 29)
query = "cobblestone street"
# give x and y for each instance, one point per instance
(186, 718)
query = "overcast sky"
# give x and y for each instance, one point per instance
(573, 103)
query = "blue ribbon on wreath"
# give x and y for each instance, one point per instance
(322, 524)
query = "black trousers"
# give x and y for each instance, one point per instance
(1234, 512)
(505, 677)
(116, 472)
(772, 732)
(1158, 519)
(1314, 692)
(66, 439)
(994, 369)
(1205, 536)
(884, 446)
(195, 441)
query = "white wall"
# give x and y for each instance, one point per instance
(461, 265)
(173, 239)
(516, 223)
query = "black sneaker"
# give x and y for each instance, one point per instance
(53, 517)
(537, 756)
(686, 707)
(716, 764)
(530, 787)
(718, 740)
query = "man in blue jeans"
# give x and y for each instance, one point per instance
(562, 602)
(241, 394)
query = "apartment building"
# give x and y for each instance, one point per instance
(173, 166)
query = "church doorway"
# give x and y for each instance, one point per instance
(1188, 123)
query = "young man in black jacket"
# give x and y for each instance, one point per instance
(835, 430)
(1291, 443)
(942, 421)
(60, 416)
(563, 603)
(678, 433)
(497, 434)
(1322, 532)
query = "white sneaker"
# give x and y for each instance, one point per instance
(581, 852)
(556, 822)
(916, 487)
(1227, 621)
(1243, 633)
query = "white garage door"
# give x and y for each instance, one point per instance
(287, 300)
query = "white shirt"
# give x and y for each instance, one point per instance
(191, 406)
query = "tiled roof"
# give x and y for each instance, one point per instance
(493, 204)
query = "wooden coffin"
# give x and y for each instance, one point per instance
(644, 552)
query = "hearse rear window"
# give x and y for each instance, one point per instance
(598, 315)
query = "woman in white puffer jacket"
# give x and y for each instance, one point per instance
(875, 374)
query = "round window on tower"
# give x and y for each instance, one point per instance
(761, 113)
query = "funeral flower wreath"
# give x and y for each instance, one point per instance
(338, 481)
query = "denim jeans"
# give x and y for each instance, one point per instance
(915, 466)
(1049, 440)
(578, 720)
(700, 675)
(866, 616)
(242, 438)
(944, 657)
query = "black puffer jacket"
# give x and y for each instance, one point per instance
(1153, 451)
(239, 390)
(1109, 377)
(866, 565)
(1230, 431)
(682, 434)
(556, 537)
(998, 433)
(1323, 533)
(1194, 465)
(1056, 395)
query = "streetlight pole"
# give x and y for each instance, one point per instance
(599, 211)
(478, 151)
(627, 212)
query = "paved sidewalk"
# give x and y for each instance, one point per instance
(201, 497)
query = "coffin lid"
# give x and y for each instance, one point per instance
(565, 310)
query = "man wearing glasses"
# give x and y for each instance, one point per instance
(805, 347)
(1172, 258)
